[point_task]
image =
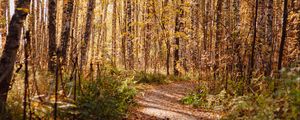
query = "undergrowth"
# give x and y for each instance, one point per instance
(262, 103)
(106, 98)
(106, 94)
(157, 78)
(142, 77)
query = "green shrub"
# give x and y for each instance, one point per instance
(13, 111)
(142, 77)
(106, 98)
(157, 78)
(196, 98)
(179, 78)
(266, 104)
(261, 104)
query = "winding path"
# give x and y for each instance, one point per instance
(161, 102)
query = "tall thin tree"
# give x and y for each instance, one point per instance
(165, 33)
(218, 37)
(251, 58)
(88, 28)
(130, 34)
(9, 55)
(26, 78)
(52, 4)
(178, 30)
(269, 38)
(66, 27)
(283, 33)
(114, 34)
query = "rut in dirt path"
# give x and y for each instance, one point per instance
(162, 102)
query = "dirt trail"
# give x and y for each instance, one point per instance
(162, 103)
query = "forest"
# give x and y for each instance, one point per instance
(149, 59)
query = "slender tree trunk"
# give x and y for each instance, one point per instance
(130, 34)
(73, 50)
(139, 34)
(225, 46)
(9, 54)
(114, 34)
(66, 28)
(124, 31)
(204, 24)
(52, 34)
(237, 43)
(57, 71)
(103, 31)
(261, 36)
(210, 13)
(283, 34)
(26, 78)
(165, 34)
(195, 35)
(269, 38)
(43, 35)
(157, 39)
(178, 29)
(218, 37)
(148, 36)
(32, 26)
(251, 58)
(38, 32)
(88, 28)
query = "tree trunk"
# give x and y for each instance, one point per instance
(218, 37)
(73, 50)
(178, 29)
(148, 36)
(114, 34)
(165, 34)
(251, 58)
(9, 55)
(124, 33)
(204, 24)
(88, 28)
(26, 77)
(129, 35)
(66, 28)
(269, 38)
(238, 42)
(33, 30)
(283, 34)
(52, 34)
(195, 34)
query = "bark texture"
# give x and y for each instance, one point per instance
(52, 35)
(88, 29)
(9, 55)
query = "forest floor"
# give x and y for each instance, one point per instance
(162, 102)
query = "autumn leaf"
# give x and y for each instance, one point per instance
(25, 10)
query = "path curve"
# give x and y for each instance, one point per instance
(161, 102)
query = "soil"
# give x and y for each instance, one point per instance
(162, 102)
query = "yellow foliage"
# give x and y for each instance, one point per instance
(25, 10)
(66, 2)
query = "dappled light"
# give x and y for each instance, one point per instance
(149, 59)
(163, 102)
